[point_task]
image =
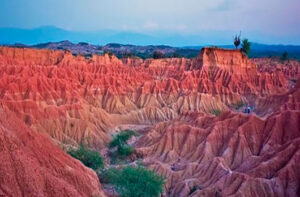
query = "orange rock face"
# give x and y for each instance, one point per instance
(74, 99)
(229, 155)
(31, 165)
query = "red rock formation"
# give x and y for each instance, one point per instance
(290, 68)
(229, 155)
(31, 165)
(74, 99)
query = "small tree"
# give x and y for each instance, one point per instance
(246, 46)
(158, 55)
(123, 149)
(121, 138)
(88, 157)
(237, 40)
(284, 56)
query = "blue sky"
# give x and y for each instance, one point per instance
(277, 20)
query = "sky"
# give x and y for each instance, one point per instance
(276, 20)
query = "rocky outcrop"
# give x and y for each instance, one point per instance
(290, 68)
(75, 99)
(230, 155)
(31, 165)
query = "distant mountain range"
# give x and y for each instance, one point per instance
(141, 45)
(54, 34)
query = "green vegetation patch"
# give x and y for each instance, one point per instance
(133, 181)
(119, 147)
(121, 138)
(108, 176)
(216, 112)
(246, 45)
(88, 157)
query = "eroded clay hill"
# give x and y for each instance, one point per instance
(74, 99)
(230, 155)
(31, 165)
(195, 131)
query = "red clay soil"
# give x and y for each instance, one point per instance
(31, 165)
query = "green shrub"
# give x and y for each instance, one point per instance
(134, 181)
(246, 46)
(123, 149)
(216, 112)
(121, 138)
(88, 157)
(108, 175)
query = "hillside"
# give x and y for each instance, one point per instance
(32, 165)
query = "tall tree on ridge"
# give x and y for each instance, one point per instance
(237, 40)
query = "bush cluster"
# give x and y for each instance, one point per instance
(128, 181)
(133, 181)
(88, 157)
(120, 142)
